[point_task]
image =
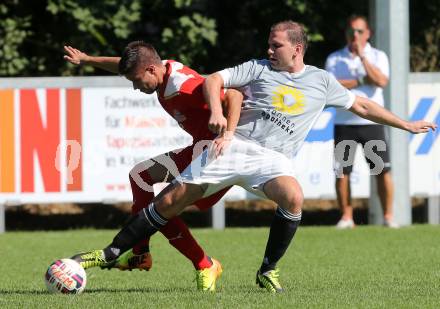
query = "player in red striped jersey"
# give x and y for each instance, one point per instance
(180, 93)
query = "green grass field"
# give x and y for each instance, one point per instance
(368, 267)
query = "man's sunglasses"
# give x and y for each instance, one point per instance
(351, 31)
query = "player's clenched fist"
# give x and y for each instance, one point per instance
(217, 123)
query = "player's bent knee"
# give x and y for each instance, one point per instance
(176, 197)
(293, 203)
(296, 202)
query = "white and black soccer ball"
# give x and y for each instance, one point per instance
(65, 276)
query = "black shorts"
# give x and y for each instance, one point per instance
(351, 135)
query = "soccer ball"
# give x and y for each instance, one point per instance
(65, 276)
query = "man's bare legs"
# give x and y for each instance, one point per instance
(343, 193)
(176, 197)
(385, 189)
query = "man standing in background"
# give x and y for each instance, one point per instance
(364, 70)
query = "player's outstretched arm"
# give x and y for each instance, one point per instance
(78, 57)
(211, 90)
(370, 110)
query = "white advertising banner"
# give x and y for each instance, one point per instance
(314, 161)
(425, 148)
(79, 144)
(123, 127)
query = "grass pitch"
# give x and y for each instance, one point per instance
(368, 267)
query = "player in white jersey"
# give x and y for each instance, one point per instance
(284, 97)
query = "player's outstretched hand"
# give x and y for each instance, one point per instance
(74, 55)
(217, 124)
(219, 144)
(421, 126)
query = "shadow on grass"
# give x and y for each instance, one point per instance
(23, 292)
(102, 290)
(139, 290)
(244, 289)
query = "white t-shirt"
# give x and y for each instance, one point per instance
(343, 65)
(280, 108)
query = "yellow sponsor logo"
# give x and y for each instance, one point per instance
(288, 100)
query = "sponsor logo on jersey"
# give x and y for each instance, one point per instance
(288, 100)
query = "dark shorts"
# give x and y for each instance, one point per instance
(366, 135)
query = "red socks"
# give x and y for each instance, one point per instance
(180, 238)
(175, 230)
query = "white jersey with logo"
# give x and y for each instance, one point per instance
(343, 65)
(280, 108)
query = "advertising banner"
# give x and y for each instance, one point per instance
(79, 144)
(424, 99)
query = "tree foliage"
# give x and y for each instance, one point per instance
(13, 31)
(207, 35)
(425, 36)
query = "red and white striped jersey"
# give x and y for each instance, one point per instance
(181, 95)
